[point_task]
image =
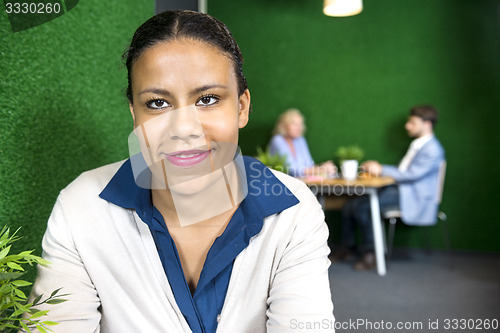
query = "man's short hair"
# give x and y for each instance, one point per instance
(426, 112)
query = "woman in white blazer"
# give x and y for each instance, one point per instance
(187, 235)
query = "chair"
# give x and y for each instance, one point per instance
(395, 214)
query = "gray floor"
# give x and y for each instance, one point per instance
(419, 290)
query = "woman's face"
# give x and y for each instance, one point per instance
(185, 100)
(295, 127)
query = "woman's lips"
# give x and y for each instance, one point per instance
(187, 158)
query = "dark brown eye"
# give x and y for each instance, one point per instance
(157, 104)
(207, 100)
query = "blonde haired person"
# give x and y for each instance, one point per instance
(288, 140)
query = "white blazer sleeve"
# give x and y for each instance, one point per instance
(80, 313)
(300, 298)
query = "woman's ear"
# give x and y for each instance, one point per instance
(244, 108)
(131, 107)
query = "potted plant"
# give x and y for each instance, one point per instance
(276, 162)
(349, 157)
(16, 313)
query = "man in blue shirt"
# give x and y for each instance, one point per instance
(415, 194)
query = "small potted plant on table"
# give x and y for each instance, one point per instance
(349, 157)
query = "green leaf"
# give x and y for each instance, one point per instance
(40, 328)
(276, 162)
(18, 312)
(13, 265)
(55, 292)
(20, 293)
(39, 314)
(6, 288)
(37, 299)
(13, 301)
(50, 323)
(10, 326)
(21, 283)
(6, 306)
(25, 308)
(26, 328)
(4, 252)
(56, 301)
(10, 276)
(42, 261)
(352, 152)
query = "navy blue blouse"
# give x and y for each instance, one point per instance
(266, 196)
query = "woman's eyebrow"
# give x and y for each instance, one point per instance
(156, 91)
(201, 89)
(193, 92)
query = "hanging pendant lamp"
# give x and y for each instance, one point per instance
(342, 7)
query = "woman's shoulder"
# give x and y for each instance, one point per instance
(300, 140)
(296, 186)
(94, 180)
(302, 220)
(277, 138)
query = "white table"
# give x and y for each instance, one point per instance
(336, 186)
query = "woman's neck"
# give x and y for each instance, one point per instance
(163, 201)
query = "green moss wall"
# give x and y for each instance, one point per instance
(63, 110)
(62, 105)
(355, 79)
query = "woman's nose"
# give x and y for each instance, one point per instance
(184, 124)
